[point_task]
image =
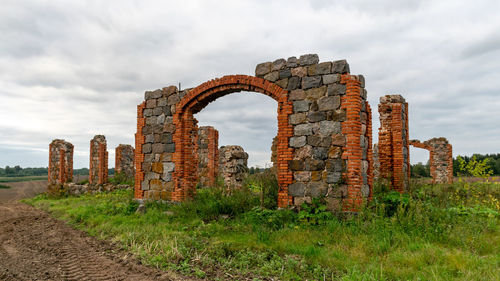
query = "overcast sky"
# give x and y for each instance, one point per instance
(74, 69)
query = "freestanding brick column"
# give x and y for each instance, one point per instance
(233, 165)
(98, 171)
(60, 162)
(208, 155)
(124, 160)
(323, 146)
(440, 158)
(393, 145)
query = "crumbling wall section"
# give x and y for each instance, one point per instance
(393, 145)
(98, 171)
(440, 158)
(208, 155)
(233, 162)
(124, 160)
(60, 162)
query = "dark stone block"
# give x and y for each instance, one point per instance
(334, 165)
(293, 83)
(320, 153)
(170, 147)
(308, 59)
(285, 73)
(314, 165)
(296, 165)
(297, 189)
(340, 67)
(311, 82)
(316, 116)
(166, 138)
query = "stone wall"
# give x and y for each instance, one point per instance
(124, 160)
(98, 171)
(233, 164)
(208, 155)
(323, 142)
(60, 162)
(393, 145)
(440, 158)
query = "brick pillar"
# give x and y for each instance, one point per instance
(139, 154)
(393, 142)
(60, 162)
(124, 160)
(208, 155)
(98, 171)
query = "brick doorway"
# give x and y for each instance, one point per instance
(185, 177)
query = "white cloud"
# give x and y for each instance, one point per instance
(73, 69)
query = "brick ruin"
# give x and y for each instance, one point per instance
(98, 171)
(323, 142)
(124, 160)
(440, 158)
(208, 155)
(233, 165)
(60, 162)
(393, 146)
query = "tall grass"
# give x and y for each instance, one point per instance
(419, 236)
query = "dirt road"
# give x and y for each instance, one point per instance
(34, 246)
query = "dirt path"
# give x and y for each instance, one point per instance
(34, 246)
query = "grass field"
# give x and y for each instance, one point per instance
(18, 179)
(437, 232)
(4, 186)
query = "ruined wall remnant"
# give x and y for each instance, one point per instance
(124, 160)
(376, 163)
(233, 165)
(208, 155)
(323, 145)
(440, 158)
(393, 146)
(60, 162)
(98, 171)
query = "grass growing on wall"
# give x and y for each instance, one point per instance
(437, 232)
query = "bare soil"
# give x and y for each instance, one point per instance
(35, 246)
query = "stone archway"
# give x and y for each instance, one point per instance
(324, 133)
(184, 158)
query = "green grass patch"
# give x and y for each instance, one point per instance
(3, 186)
(19, 179)
(420, 236)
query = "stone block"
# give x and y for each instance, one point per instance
(291, 62)
(316, 189)
(331, 78)
(340, 67)
(278, 64)
(335, 152)
(336, 89)
(158, 148)
(152, 94)
(170, 147)
(314, 165)
(316, 116)
(334, 165)
(299, 71)
(320, 153)
(315, 93)
(311, 82)
(297, 189)
(324, 68)
(285, 73)
(302, 176)
(302, 130)
(146, 148)
(308, 59)
(321, 141)
(283, 83)
(297, 118)
(329, 103)
(329, 127)
(263, 68)
(333, 177)
(293, 83)
(296, 165)
(272, 76)
(297, 95)
(298, 141)
(300, 106)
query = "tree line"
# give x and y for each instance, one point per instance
(18, 171)
(492, 162)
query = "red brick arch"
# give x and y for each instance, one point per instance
(184, 176)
